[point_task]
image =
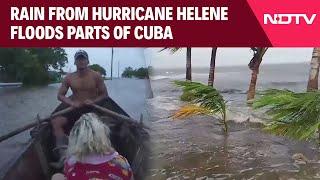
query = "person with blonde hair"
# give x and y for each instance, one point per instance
(90, 154)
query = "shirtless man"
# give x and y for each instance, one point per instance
(87, 88)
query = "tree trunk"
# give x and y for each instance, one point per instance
(314, 70)
(111, 63)
(212, 66)
(257, 59)
(253, 83)
(188, 65)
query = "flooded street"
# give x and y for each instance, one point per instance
(197, 147)
(192, 148)
(19, 106)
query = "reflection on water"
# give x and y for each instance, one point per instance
(197, 148)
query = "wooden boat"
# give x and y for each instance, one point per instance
(129, 138)
(10, 84)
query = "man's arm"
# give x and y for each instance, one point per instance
(63, 91)
(101, 88)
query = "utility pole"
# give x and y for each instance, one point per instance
(118, 69)
(111, 62)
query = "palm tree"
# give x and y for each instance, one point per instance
(202, 100)
(258, 53)
(212, 66)
(188, 65)
(188, 61)
(314, 70)
(292, 114)
(314, 73)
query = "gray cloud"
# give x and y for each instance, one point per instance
(133, 57)
(225, 56)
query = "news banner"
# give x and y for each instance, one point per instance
(143, 23)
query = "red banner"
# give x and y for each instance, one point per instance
(205, 23)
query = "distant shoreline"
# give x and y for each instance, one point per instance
(231, 66)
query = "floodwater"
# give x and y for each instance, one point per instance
(197, 147)
(19, 106)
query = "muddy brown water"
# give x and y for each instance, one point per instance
(197, 147)
(194, 148)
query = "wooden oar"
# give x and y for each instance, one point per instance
(112, 113)
(39, 121)
(28, 126)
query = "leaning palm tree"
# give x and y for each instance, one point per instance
(212, 66)
(293, 114)
(258, 53)
(203, 100)
(188, 60)
(314, 70)
(188, 65)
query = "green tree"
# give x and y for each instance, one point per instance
(140, 73)
(31, 66)
(128, 72)
(55, 77)
(11, 62)
(98, 68)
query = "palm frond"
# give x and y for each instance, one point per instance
(190, 110)
(293, 114)
(205, 96)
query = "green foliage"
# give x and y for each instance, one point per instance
(140, 73)
(206, 97)
(187, 96)
(55, 77)
(31, 66)
(98, 68)
(190, 110)
(293, 114)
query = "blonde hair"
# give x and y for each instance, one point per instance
(88, 136)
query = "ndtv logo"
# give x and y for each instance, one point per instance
(288, 19)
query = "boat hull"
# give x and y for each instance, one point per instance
(130, 139)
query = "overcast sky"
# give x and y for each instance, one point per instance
(225, 56)
(142, 57)
(133, 57)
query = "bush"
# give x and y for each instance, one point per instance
(140, 73)
(31, 66)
